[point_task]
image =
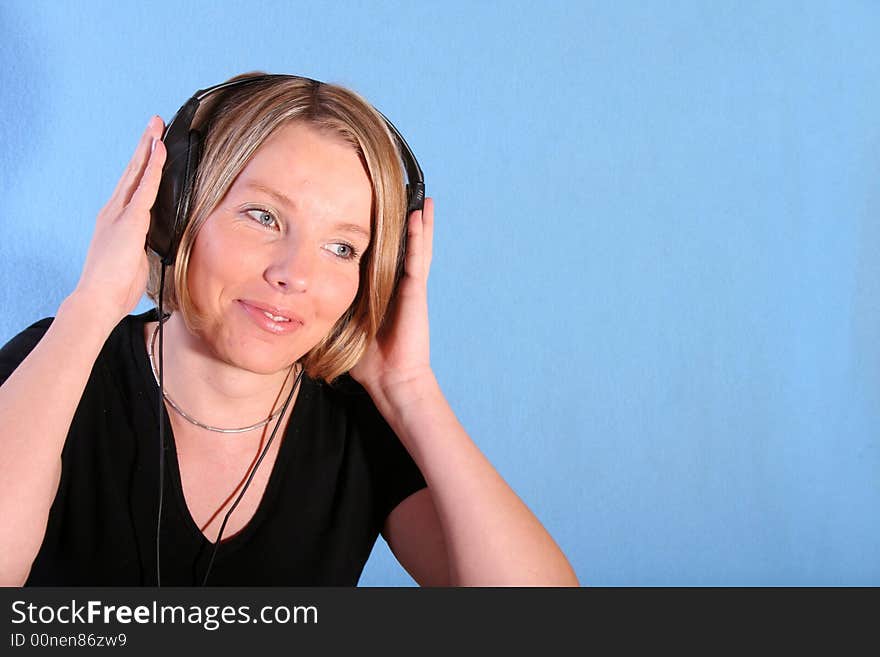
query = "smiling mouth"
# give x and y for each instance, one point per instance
(270, 319)
(275, 318)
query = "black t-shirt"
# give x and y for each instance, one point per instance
(339, 472)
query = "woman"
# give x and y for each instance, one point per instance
(283, 288)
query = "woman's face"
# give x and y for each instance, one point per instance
(277, 263)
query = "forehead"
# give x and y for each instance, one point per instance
(313, 171)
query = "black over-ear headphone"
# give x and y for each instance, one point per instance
(168, 219)
(184, 146)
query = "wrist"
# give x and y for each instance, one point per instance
(78, 310)
(400, 390)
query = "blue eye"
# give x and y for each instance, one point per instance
(263, 217)
(342, 250)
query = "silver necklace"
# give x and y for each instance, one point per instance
(191, 419)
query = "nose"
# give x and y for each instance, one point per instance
(291, 267)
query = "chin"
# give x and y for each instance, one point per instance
(260, 361)
(263, 367)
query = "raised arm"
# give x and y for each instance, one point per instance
(39, 399)
(468, 516)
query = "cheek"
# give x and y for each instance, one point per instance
(339, 290)
(200, 270)
(213, 265)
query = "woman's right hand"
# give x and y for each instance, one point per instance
(115, 273)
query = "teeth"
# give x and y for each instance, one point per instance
(275, 318)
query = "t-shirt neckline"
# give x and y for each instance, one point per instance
(172, 466)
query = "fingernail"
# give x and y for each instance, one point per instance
(153, 145)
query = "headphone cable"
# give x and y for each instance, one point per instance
(161, 427)
(251, 476)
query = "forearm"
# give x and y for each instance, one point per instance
(37, 404)
(491, 537)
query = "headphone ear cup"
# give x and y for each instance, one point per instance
(169, 212)
(193, 155)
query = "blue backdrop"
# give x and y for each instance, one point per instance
(655, 297)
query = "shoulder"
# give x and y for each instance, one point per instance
(380, 446)
(346, 408)
(393, 474)
(18, 348)
(29, 337)
(346, 391)
(347, 396)
(127, 334)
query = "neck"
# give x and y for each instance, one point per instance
(209, 389)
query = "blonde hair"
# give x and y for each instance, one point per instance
(236, 122)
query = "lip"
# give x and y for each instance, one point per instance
(256, 311)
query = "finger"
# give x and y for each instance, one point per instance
(414, 263)
(117, 199)
(428, 232)
(132, 174)
(145, 194)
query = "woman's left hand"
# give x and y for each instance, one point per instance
(400, 354)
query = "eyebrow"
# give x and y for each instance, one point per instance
(288, 202)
